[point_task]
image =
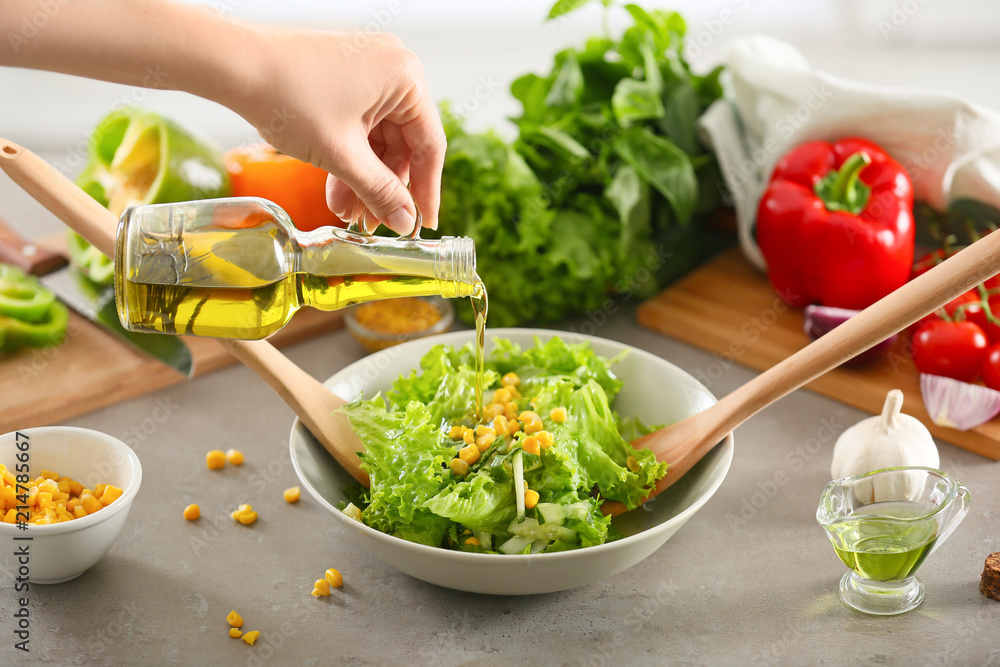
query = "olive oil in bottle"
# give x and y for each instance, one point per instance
(237, 268)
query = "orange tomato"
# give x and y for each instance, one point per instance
(296, 186)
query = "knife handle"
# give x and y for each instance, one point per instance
(27, 256)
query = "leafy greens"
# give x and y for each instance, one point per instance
(415, 495)
(605, 175)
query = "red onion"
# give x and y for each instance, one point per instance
(958, 404)
(820, 320)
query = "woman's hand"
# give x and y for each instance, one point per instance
(356, 105)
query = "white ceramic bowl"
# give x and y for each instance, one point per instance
(654, 390)
(62, 551)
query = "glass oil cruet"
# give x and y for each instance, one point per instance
(238, 267)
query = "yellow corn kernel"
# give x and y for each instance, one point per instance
(79, 512)
(472, 542)
(545, 439)
(527, 415)
(323, 586)
(484, 429)
(235, 633)
(510, 380)
(510, 406)
(334, 578)
(530, 445)
(532, 424)
(530, 498)
(8, 478)
(456, 432)
(501, 395)
(234, 456)
(317, 593)
(192, 512)
(490, 412)
(110, 495)
(99, 490)
(48, 486)
(468, 437)
(246, 516)
(215, 459)
(459, 467)
(45, 500)
(234, 619)
(558, 415)
(33, 496)
(251, 636)
(49, 474)
(43, 520)
(10, 516)
(292, 494)
(632, 464)
(514, 393)
(483, 442)
(513, 426)
(63, 486)
(500, 425)
(73, 502)
(469, 454)
(7, 497)
(75, 488)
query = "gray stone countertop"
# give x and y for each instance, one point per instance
(751, 578)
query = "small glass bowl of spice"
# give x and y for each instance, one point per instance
(381, 324)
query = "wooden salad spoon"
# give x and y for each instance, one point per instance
(315, 404)
(681, 444)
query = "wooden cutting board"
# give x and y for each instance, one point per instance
(92, 369)
(728, 308)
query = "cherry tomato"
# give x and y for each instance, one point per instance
(297, 187)
(951, 349)
(991, 368)
(974, 312)
(965, 299)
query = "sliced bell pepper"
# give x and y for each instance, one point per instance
(835, 224)
(30, 315)
(140, 157)
(22, 297)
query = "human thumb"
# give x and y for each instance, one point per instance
(379, 189)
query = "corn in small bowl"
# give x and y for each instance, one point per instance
(63, 550)
(381, 324)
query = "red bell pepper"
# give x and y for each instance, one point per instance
(835, 224)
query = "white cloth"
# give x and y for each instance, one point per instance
(949, 146)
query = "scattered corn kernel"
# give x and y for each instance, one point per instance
(251, 637)
(484, 429)
(459, 467)
(245, 515)
(514, 393)
(501, 395)
(530, 498)
(234, 456)
(192, 512)
(532, 425)
(513, 426)
(292, 494)
(468, 437)
(235, 633)
(456, 432)
(632, 464)
(234, 619)
(323, 586)
(215, 459)
(530, 445)
(483, 442)
(334, 578)
(353, 511)
(558, 415)
(500, 425)
(469, 454)
(510, 380)
(316, 593)
(545, 439)
(472, 542)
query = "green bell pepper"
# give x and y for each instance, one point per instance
(139, 157)
(30, 315)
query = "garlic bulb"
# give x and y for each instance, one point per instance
(887, 441)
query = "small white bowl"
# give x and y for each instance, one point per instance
(59, 552)
(655, 390)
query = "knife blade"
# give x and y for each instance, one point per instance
(91, 300)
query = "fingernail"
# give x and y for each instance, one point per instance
(400, 221)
